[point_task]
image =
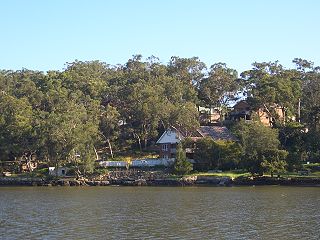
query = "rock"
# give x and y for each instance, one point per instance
(104, 183)
(208, 180)
(63, 182)
(89, 183)
(190, 180)
(212, 180)
(140, 182)
(74, 182)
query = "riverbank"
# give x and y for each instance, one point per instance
(183, 181)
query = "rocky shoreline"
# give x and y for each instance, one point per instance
(184, 181)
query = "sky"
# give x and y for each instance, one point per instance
(45, 34)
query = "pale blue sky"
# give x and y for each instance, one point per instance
(44, 34)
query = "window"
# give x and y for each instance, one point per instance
(165, 147)
(165, 156)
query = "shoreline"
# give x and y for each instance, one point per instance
(179, 182)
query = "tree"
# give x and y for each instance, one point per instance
(210, 154)
(145, 110)
(204, 155)
(257, 142)
(188, 70)
(274, 161)
(182, 165)
(220, 87)
(89, 77)
(185, 117)
(269, 86)
(109, 125)
(69, 128)
(16, 133)
(310, 101)
(293, 138)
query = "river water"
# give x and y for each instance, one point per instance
(271, 212)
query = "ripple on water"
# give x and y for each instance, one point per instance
(159, 213)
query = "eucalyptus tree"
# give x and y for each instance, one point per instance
(270, 86)
(310, 101)
(189, 70)
(90, 77)
(16, 132)
(220, 88)
(109, 125)
(146, 107)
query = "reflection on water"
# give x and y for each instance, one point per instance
(159, 213)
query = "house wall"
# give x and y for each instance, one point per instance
(243, 110)
(60, 172)
(264, 117)
(169, 151)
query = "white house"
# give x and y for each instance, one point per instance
(171, 137)
(168, 143)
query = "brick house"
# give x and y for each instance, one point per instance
(242, 110)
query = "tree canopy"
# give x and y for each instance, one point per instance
(65, 116)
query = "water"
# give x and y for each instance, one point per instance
(159, 213)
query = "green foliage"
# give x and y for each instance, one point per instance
(66, 117)
(220, 87)
(269, 85)
(259, 143)
(182, 165)
(274, 161)
(223, 155)
(293, 138)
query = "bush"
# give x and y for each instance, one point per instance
(182, 165)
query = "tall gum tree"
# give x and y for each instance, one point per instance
(220, 88)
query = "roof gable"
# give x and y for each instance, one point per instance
(170, 136)
(241, 104)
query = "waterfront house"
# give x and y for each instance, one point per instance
(168, 143)
(171, 137)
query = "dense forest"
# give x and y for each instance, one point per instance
(91, 107)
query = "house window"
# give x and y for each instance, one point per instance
(165, 156)
(63, 172)
(165, 147)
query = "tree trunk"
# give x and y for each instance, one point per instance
(29, 158)
(56, 166)
(139, 141)
(95, 151)
(110, 148)
(299, 110)
(145, 143)
(284, 116)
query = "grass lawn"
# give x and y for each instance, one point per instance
(298, 175)
(236, 174)
(231, 174)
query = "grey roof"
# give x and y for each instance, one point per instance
(217, 133)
